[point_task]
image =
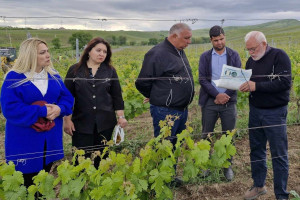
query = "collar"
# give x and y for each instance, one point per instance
(171, 46)
(268, 48)
(215, 53)
(42, 74)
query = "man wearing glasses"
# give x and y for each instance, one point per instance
(269, 89)
(217, 102)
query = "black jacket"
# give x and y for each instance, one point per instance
(172, 84)
(95, 100)
(272, 91)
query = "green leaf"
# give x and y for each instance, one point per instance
(13, 182)
(157, 178)
(136, 166)
(204, 145)
(7, 169)
(219, 148)
(231, 150)
(143, 184)
(189, 171)
(200, 156)
(129, 188)
(31, 192)
(73, 188)
(65, 172)
(44, 182)
(20, 193)
(190, 143)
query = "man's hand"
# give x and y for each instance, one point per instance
(248, 86)
(146, 100)
(222, 98)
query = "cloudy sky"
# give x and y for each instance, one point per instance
(150, 15)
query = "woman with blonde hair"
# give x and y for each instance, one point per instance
(34, 100)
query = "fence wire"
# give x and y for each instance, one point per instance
(93, 148)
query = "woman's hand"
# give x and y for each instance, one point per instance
(68, 125)
(122, 122)
(53, 111)
(121, 119)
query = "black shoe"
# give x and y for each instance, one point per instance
(228, 173)
(176, 182)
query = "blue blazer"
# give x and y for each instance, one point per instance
(23, 145)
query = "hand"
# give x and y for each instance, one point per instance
(68, 126)
(122, 122)
(248, 86)
(146, 100)
(222, 98)
(53, 111)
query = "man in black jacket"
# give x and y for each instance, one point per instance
(166, 79)
(269, 89)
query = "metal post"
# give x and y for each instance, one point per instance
(77, 50)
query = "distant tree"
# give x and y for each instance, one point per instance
(83, 38)
(109, 40)
(160, 39)
(114, 40)
(200, 40)
(122, 40)
(144, 43)
(153, 41)
(56, 43)
(132, 43)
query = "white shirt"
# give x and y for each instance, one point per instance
(40, 80)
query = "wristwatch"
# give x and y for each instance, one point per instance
(121, 117)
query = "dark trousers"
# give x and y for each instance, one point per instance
(277, 138)
(210, 114)
(92, 142)
(28, 177)
(159, 113)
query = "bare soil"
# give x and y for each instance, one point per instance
(235, 189)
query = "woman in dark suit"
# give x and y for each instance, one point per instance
(98, 99)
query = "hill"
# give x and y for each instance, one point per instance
(276, 31)
(281, 31)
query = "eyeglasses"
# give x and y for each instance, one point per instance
(252, 50)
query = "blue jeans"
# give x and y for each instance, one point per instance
(159, 113)
(277, 138)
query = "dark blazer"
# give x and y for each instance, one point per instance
(207, 90)
(95, 100)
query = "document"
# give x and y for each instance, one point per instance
(232, 78)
